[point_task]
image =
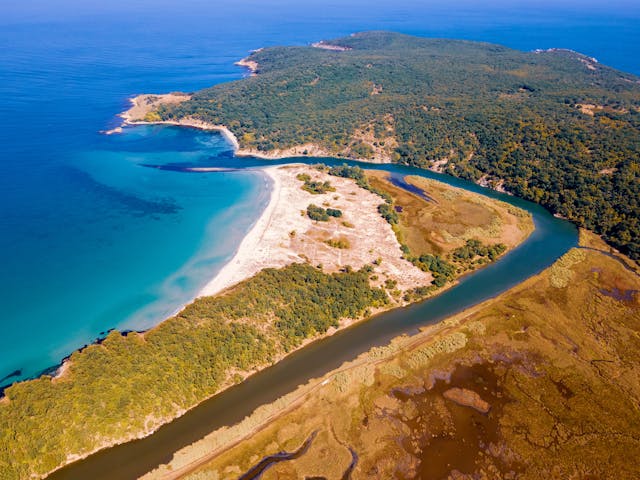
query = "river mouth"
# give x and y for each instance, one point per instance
(552, 238)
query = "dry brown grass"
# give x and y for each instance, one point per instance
(559, 362)
(453, 217)
(143, 106)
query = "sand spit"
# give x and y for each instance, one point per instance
(284, 234)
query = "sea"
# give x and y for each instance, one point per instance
(100, 232)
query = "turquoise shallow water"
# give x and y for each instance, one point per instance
(91, 239)
(552, 238)
(136, 243)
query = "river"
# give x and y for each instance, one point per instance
(551, 239)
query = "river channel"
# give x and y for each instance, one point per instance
(551, 239)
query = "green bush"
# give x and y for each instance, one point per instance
(317, 214)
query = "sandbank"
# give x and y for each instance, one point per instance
(237, 266)
(284, 234)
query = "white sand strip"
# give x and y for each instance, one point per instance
(240, 267)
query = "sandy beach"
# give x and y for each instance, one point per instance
(284, 234)
(233, 270)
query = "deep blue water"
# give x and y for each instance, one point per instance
(90, 239)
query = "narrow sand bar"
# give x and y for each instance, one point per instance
(237, 268)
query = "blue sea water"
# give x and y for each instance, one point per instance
(91, 238)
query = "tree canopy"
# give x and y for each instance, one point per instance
(555, 126)
(131, 382)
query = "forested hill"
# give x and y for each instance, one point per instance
(557, 127)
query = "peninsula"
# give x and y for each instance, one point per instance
(333, 247)
(552, 126)
(337, 245)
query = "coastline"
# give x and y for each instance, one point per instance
(143, 104)
(250, 65)
(239, 266)
(246, 262)
(199, 125)
(225, 277)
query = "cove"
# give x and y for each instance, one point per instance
(551, 239)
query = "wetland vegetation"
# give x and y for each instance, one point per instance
(540, 382)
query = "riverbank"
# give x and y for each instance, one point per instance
(281, 237)
(329, 352)
(495, 353)
(284, 235)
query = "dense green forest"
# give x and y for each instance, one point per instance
(120, 387)
(555, 126)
